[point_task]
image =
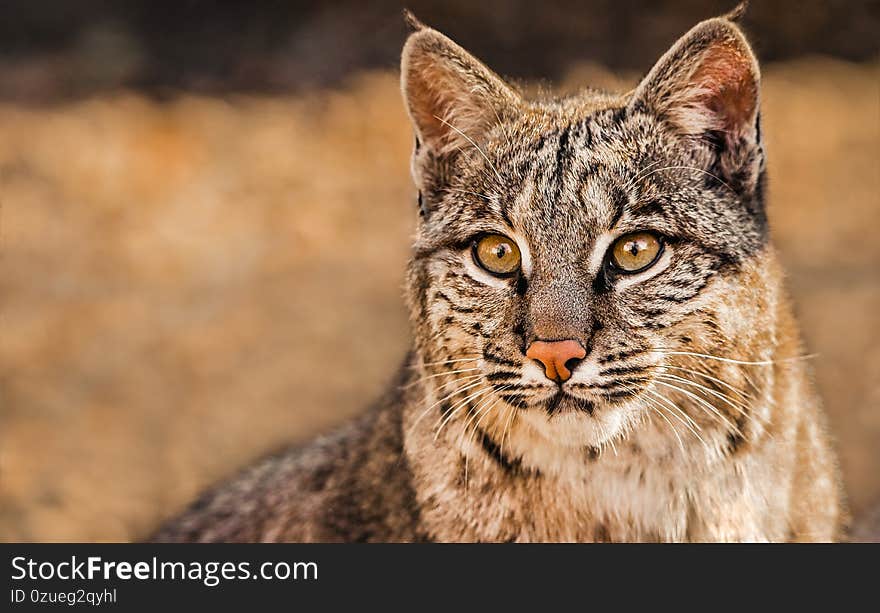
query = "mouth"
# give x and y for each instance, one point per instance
(563, 402)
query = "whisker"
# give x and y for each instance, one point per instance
(481, 408)
(689, 421)
(741, 408)
(657, 408)
(500, 125)
(695, 169)
(443, 374)
(508, 426)
(613, 447)
(711, 378)
(639, 174)
(442, 400)
(465, 191)
(442, 362)
(477, 147)
(486, 413)
(677, 409)
(477, 411)
(609, 441)
(458, 407)
(734, 361)
(704, 403)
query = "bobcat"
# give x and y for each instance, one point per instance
(603, 348)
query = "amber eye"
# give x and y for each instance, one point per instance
(497, 254)
(635, 252)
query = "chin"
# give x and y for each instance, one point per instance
(568, 425)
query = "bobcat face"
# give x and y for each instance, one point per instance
(568, 248)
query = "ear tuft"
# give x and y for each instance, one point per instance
(738, 12)
(412, 22)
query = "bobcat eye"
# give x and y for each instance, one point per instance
(497, 254)
(635, 252)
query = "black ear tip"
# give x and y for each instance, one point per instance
(737, 13)
(412, 22)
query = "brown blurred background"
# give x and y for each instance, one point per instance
(204, 203)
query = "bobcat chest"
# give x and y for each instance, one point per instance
(622, 496)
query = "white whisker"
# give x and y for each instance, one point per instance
(658, 408)
(695, 169)
(741, 408)
(734, 361)
(711, 378)
(442, 362)
(639, 174)
(704, 403)
(477, 411)
(447, 397)
(458, 406)
(465, 191)
(443, 374)
(508, 426)
(692, 428)
(476, 146)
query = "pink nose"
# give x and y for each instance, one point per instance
(556, 357)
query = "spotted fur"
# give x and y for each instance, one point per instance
(692, 416)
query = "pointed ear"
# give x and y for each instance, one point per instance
(707, 82)
(451, 97)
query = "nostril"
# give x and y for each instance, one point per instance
(572, 363)
(557, 357)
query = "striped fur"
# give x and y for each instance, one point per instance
(692, 416)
